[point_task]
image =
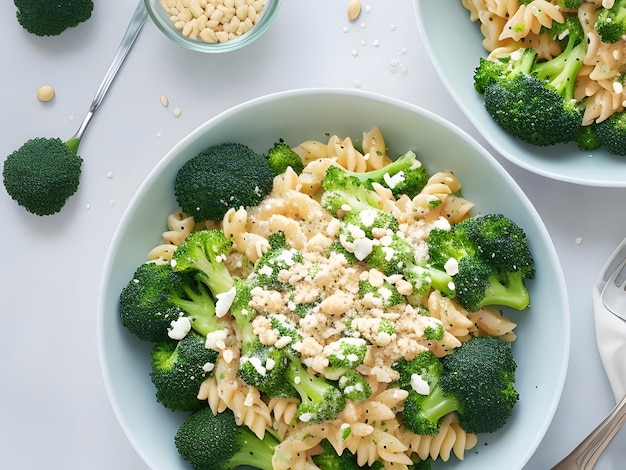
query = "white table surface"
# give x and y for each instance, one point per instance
(54, 412)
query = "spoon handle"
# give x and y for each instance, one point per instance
(135, 25)
(589, 450)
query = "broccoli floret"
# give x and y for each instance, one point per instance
(387, 294)
(328, 459)
(612, 133)
(354, 386)
(42, 174)
(229, 175)
(490, 71)
(534, 101)
(359, 224)
(203, 253)
(281, 157)
(178, 369)
(476, 381)
(611, 22)
(344, 193)
(587, 138)
(343, 355)
(320, 399)
(405, 175)
(217, 442)
(434, 330)
(337, 247)
(157, 295)
(52, 17)
(489, 258)
(394, 254)
(279, 257)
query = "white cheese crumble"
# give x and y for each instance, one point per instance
(223, 302)
(451, 266)
(393, 181)
(179, 328)
(215, 340)
(419, 384)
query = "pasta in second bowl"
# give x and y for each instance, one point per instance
(441, 147)
(455, 66)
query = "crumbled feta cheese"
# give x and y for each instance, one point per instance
(223, 302)
(451, 266)
(266, 270)
(393, 181)
(419, 384)
(362, 248)
(179, 328)
(215, 339)
(442, 223)
(367, 217)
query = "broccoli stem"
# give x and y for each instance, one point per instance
(438, 404)
(200, 309)
(513, 294)
(561, 71)
(73, 144)
(310, 388)
(255, 452)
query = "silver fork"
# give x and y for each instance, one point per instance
(613, 296)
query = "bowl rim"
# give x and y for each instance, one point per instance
(299, 92)
(164, 25)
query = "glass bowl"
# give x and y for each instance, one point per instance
(164, 22)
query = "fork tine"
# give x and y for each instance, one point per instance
(614, 292)
(616, 259)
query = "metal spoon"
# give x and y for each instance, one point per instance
(136, 22)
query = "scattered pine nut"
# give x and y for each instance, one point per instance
(354, 9)
(176, 112)
(45, 93)
(164, 101)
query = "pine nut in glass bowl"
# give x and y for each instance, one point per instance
(213, 26)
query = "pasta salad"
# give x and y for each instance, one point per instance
(594, 71)
(323, 291)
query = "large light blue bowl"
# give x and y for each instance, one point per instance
(542, 348)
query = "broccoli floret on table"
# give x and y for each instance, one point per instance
(157, 295)
(281, 156)
(178, 369)
(534, 100)
(216, 442)
(42, 174)
(611, 22)
(489, 259)
(477, 381)
(225, 176)
(52, 17)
